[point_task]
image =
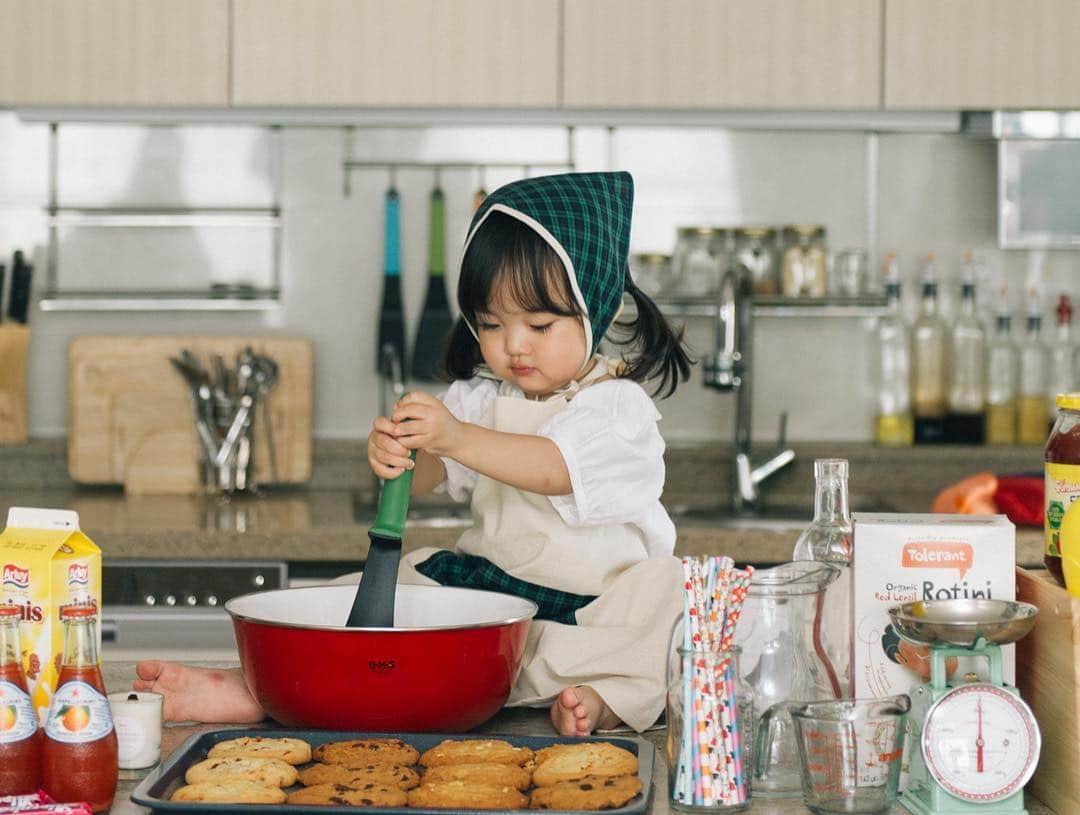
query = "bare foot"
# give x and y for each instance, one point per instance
(198, 694)
(581, 710)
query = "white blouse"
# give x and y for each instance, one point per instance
(612, 448)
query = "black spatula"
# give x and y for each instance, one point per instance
(435, 319)
(373, 606)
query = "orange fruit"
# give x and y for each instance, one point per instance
(76, 718)
(7, 717)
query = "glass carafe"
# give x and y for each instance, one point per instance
(784, 660)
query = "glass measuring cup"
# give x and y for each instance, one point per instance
(784, 660)
(850, 753)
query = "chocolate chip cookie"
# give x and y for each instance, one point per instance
(475, 751)
(367, 752)
(369, 795)
(591, 792)
(270, 772)
(501, 775)
(233, 791)
(293, 751)
(389, 775)
(466, 795)
(570, 762)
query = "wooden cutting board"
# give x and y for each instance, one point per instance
(131, 418)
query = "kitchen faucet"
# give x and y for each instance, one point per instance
(728, 369)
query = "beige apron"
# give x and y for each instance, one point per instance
(620, 645)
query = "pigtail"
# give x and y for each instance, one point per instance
(660, 350)
(462, 356)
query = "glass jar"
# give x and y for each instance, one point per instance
(697, 261)
(784, 660)
(651, 272)
(1062, 470)
(755, 252)
(803, 271)
(848, 273)
(710, 716)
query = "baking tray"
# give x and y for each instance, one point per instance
(154, 790)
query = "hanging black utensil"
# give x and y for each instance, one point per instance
(435, 320)
(391, 311)
(373, 606)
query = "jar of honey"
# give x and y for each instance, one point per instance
(1062, 476)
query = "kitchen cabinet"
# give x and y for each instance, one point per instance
(114, 52)
(396, 53)
(982, 54)
(694, 54)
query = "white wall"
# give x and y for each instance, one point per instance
(934, 193)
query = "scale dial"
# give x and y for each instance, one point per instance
(980, 742)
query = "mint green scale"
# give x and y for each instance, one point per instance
(974, 744)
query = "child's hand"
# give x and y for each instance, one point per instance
(388, 457)
(422, 421)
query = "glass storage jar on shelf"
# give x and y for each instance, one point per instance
(698, 261)
(755, 252)
(804, 269)
(651, 271)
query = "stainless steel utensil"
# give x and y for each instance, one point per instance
(963, 622)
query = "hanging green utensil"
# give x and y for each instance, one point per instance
(435, 319)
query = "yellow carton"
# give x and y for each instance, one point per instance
(46, 563)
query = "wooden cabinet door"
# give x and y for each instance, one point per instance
(982, 53)
(396, 53)
(722, 53)
(114, 52)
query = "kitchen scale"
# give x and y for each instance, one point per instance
(975, 744)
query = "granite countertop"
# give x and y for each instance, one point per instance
(327, 519)
(512, 721)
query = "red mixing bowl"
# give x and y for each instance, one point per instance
(447, 665)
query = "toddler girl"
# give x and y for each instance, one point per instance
(558, 447)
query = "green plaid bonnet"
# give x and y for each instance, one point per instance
(585, 218)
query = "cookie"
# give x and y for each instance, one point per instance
(590, 792)
(369, 795)
(404, 778)
(570, 762)
(270, 772)
(466, 795)
(367, 752)
(502, 775)
(233, 791)
(292, 751)
(475, 751)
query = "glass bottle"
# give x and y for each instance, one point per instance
(893, 425)
(1002, 374)
(79, 756)
(755, 252)
(1062, 479)
(784, 660)
(691, 698)
(965, 421)
(1062, 373)
(928, 342)
(696, 267)
(828, 539)
(20, 739)
(1031, 413)
(804, 268)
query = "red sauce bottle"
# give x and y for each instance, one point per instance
(79, 755)
(1062, 476)
(20, 738)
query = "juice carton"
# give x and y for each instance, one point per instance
(47, 563)
(906, 558)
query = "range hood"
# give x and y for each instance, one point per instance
(1038, 185)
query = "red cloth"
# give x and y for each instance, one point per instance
(1022, 498)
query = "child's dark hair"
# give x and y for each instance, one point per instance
(508, 255)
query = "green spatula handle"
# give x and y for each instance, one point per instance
(394, 505)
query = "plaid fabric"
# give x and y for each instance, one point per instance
(589, 215)
(471, 572)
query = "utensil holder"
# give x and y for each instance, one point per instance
(14, 341)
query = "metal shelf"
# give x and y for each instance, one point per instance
(774, 306)
(213, 299)
(125, 217)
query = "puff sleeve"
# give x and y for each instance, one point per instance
(613, 452)
(468, 400)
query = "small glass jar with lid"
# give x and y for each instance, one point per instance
(697, 262)
(803, 271)
(651, 272)
(755, 252)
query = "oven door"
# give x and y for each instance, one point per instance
(176, 609)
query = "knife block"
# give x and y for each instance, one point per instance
(14, 341)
